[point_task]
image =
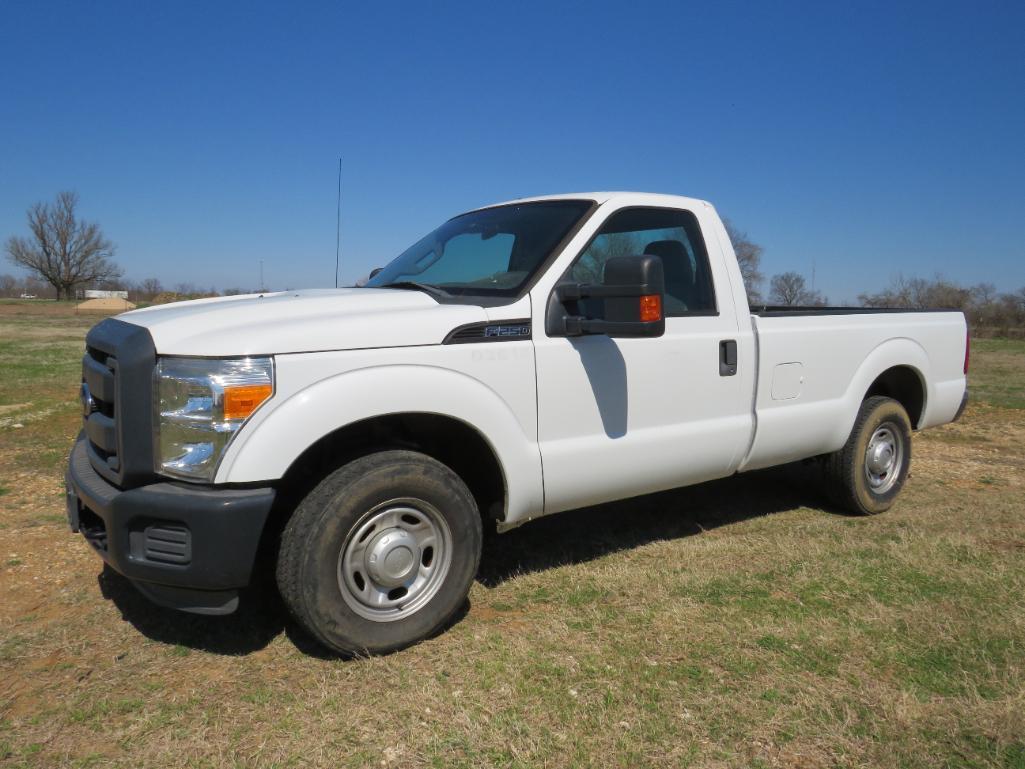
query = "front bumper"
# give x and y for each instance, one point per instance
(182, 546)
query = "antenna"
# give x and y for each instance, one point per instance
(338, 222)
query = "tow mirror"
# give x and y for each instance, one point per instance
(633, 289)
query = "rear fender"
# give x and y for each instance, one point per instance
(900, 352)
(806, 429)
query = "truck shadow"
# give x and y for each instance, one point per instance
(583, 535)
(572, 537)
(260, 618)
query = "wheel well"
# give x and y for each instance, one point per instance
(451, 441)
(904, 385)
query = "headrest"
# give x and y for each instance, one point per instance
(675, 262)
(667, 249)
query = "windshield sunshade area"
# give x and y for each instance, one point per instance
(494, 251)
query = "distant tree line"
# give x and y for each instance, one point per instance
(989, 311)
(149, 290)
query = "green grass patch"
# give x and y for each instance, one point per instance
(678, 630)
(997, 372)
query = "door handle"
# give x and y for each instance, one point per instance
(728, 357)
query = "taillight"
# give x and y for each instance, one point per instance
(967, 351)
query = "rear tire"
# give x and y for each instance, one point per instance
(868, 473)
(381, 554)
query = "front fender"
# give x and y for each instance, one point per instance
(265, 448)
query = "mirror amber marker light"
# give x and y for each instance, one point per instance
(241, 401)
(651, 308)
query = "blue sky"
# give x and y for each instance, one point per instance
(870, 139)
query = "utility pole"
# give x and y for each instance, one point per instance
(261, 276)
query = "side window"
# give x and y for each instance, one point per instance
(671, 234)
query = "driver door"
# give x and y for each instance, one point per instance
(628, 416)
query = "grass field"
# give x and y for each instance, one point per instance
(734, 624)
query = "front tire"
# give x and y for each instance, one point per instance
(381, 554)
(868, 473)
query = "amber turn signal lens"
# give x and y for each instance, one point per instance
(240, 402)
(651, 308)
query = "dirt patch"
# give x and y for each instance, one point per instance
(106, 306)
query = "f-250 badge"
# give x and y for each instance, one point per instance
(495, 331)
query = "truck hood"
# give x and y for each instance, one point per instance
(301, 321)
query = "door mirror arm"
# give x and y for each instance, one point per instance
(571, 292)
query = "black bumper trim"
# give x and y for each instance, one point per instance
(225, 527)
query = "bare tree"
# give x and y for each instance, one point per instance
(591, 266)
(150, 287)
(63, 250)
(8, 285)
(983, 293)
(749, 257)
(791, 289)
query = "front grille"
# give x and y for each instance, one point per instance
(99, 410)
(117, 373)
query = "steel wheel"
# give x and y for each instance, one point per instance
(884, 458)
(381, 553)
(867, 474)
(394, 560)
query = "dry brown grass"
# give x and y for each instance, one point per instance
(734, 624)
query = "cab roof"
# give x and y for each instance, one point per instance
(621, 198)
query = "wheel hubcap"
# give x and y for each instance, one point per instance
(392, 556)
(394, 560)
(884, 458)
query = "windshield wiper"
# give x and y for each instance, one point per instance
(412, 284)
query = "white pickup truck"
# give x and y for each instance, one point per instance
(522, 359)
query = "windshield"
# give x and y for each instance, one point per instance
(494, 251)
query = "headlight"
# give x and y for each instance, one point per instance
(200, 405)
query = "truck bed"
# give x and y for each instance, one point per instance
(815, 364)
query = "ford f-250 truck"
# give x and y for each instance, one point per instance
(522, 359)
